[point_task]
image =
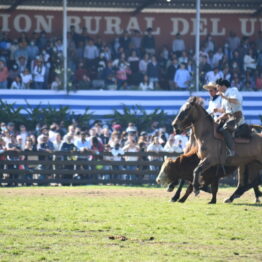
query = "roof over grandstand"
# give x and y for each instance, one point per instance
(139, 5)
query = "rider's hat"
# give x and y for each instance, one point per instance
(210, 85)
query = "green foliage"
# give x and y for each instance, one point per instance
(10, 112)
(109, 224)
(31, 115)
(139, 116)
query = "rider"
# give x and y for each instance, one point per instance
(215, 99)
(232, 112)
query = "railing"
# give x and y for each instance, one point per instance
(76, 168)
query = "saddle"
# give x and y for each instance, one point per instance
(238, 139)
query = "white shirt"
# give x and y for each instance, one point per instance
(230, 107)
(212, 77)
(214, 102)
(182, 76)
(80, 144)
(39, 73)
(154, 148)
(91, 52)
(178, 45)
(26, 78)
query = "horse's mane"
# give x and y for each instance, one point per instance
(194, 100)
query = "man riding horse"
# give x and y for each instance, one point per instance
(210, 150)
(232, 112)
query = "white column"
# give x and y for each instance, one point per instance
(65, 42)
(197, 40)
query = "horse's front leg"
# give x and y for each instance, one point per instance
(214, 189)
(198, 171)
(178, 192)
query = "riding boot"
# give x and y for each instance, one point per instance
(229, 143)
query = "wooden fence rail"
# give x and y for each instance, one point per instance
(76, 168)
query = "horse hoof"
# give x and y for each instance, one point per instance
(181, 201)
(211, 203)
(228, 200)
(196, 192)
(172, 200)
(257, 200)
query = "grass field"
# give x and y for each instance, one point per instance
(126, 224)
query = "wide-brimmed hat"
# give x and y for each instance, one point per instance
(210, 85)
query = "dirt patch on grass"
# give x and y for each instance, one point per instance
(112, 192)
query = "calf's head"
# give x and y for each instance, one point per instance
(167, 173)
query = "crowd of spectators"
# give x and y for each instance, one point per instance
(129, 61)
(99, 138)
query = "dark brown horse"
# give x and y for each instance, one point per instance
(182, 169)
(212, 151)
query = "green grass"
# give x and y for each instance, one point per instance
(81, 224)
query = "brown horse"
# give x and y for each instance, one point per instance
(212, 151)
(182, 169)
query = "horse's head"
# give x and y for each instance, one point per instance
(186, 115)
(167, 173)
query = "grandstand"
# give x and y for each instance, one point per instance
(108, 20)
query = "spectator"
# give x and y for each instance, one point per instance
(182, 78)
(171, 147)
(91, 53)
(178, 45)
(171, 70)
(153, 71)
(218, 56)
(68, 146)
(17, 83)
(108, 75)
(57, 84)
(26, 78)
(146, 85)
(143, 63)
(250, 61)
(45, 146)
(259, 81)
(213, 75)
(148, 42)
(13, 147)
(39, 71)
(32, 51)
(3, 75)
(23, 133)
(156, 147)
(124, 41)
(122, 73)
(209, 44)
(131, 146)
(233, 41)
(135, 41)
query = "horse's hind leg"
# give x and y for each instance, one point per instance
(257, 192)
(186, 195)
(177, 194)
(243, 187)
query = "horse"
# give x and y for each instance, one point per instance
(182, 169)
(212, 151)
